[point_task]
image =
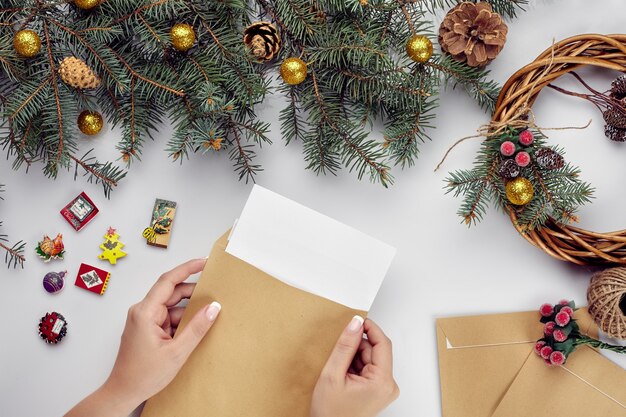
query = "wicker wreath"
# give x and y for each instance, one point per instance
(565, 242)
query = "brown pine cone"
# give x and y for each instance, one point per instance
(615, 117)
(614, 133)
(618, 87)
(509, 169)
(74, 72)
(473, 32)
(263, 40)
(549, 159)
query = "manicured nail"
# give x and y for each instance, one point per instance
(355, 324)
(213, 310)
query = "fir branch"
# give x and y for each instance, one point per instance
(57, 100)
(105, 174)
(14, 255)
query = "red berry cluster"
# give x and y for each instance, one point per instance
(508, 148)
(560, 332)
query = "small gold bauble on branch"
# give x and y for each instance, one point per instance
(519, 191)
(182, 36)
(419, 48)
(27, 43)
(75, 72)
(263, 40)
(87, 4)
(90, 122)
(293, 70)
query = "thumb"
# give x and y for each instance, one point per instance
(342, 355)
(187, 340)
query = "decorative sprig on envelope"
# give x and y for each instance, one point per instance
(561, 334)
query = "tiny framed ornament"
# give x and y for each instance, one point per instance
(92, 279)
(79, 211)
(49, 249)
(52, 327)
(159, 232)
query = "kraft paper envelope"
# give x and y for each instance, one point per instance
(480, 357)
(588, 385)
(264, 353)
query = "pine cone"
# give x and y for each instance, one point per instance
(549, 159)
(618, 87)
(76, 73)
(615, 117)
(614, 133)
(509, 169)
(263, 40)
(472, 32)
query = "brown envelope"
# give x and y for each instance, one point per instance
(480, 356)
(264, 353)
(588, 385)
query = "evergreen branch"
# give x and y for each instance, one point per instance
(14, 254)
(31, 96)
(105, 174)
(56, 92)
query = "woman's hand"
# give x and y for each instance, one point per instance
(357, 380)
(149, 356)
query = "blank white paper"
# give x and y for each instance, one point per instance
(309, 250)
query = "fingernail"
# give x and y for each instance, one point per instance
(355, 324)
(213, 310)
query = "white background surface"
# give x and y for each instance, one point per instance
(441, 268)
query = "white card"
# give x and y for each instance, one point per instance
(309, 250)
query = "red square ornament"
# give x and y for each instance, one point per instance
(79, 211)
(92, 279)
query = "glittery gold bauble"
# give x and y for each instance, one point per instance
(90, 122)
(182, 36)
(293, 70)
(419, 48)
(27, 43)
(86, 4)
(519, 191)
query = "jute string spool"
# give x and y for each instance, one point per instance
(607, 301)
(561, 241)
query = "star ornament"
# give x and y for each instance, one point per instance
(111, 231)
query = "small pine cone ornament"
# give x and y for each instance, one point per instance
(549, 159)
(614, 133)
(618, 87)
(509, 169)
(615, 117)
(263, 40)
(473, 32)
(74, 72)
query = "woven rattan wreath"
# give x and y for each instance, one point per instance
(516, 167)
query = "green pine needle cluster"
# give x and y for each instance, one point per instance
(13, 254)
(558, 193)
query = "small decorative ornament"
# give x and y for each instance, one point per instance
(548, 159)
(52, 327)
(160, 229)
(263, 40)
(27, 43)
(79, 211)
(182, 36)
(86, 4)
(473, 33)
(53, 282)
(92, 279)
(526, 137)
(90, 122)
(75, 73)
(112, 247)
(562, 335)
(419, 48)
(507, 148)
(293, 70)
(49, 249)
(509, 169)
(519, 191)
(522, 159)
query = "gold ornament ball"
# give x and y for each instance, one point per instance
(86, 4)
(27, 43)
(419, 48)
(519, 191)
(182, 36)
(90, 122)
(293, 70)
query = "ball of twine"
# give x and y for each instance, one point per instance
(607, 301)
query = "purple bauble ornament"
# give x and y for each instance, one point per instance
(53, 282)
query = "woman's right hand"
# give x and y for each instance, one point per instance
(357, 380)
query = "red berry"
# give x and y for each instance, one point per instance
(564, 302)
(568, 310)
(507, 148)
(548, 329)
(546, 310)
(559, 335)
(522, 159)
(526, 137)
(562, 318)
(538, 346)
(546, 351)
(557, 358)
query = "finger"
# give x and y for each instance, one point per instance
(182, 290)
(188, 338)
(365, 351)
(176, 313)
(162, 290)
(343, 353)
(382, 354)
